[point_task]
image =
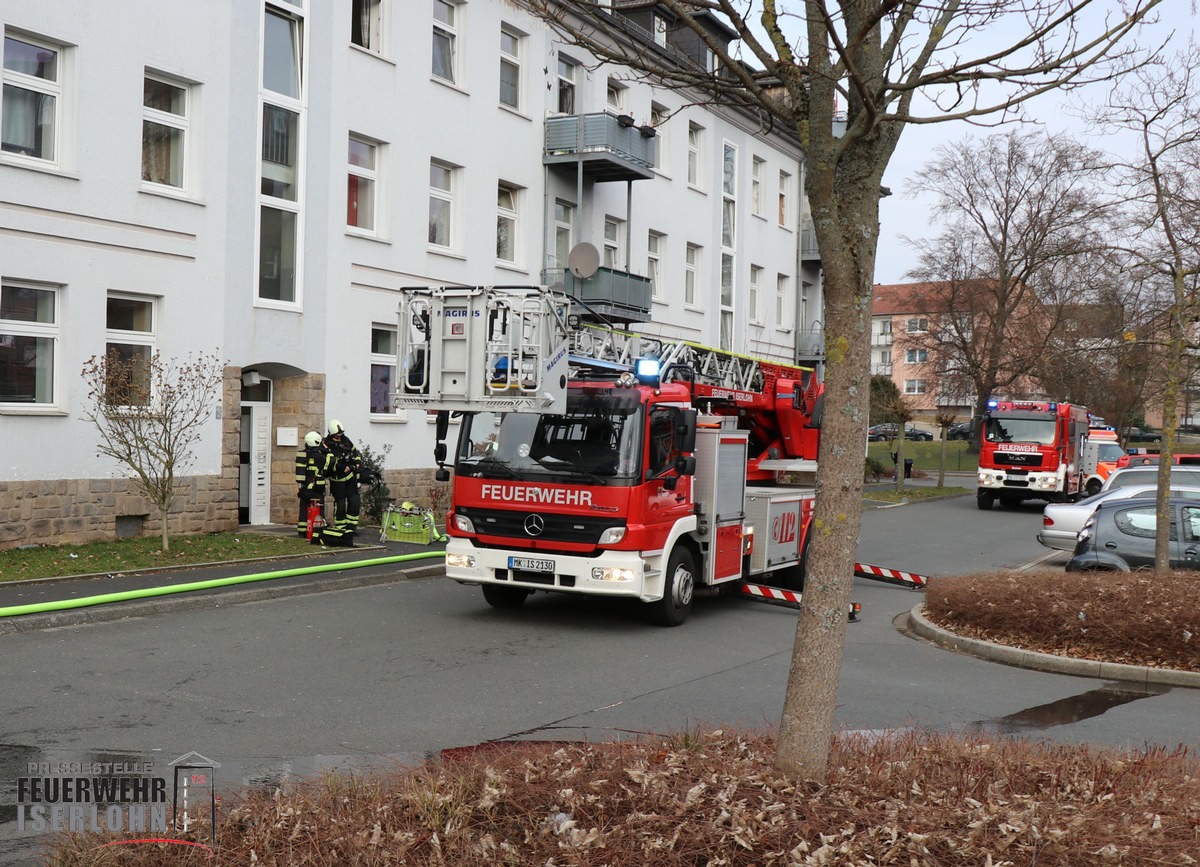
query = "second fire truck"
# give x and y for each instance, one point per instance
(1031, 450)
(598, 462)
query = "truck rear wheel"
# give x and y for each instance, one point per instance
(1094, 486)
(504, 597)
(984, 500)
(679, 585)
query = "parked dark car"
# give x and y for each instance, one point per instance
(1140, 435)
(887, 431)
(959, 431)
(1119, 536)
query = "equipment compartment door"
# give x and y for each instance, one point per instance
(727, 553)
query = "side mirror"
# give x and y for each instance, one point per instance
(685, 434)
(686, 466)
(441, 474)
(439, 453)
(670, 482)
(442, 425)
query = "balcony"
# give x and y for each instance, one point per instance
(808, 246)
(606, 147)
(614, 294)
(881, 339)
(878, 369)
(810, 342)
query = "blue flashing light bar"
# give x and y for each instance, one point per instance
(647, 370)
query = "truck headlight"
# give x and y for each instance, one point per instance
(612, 536)
(611, 573)
(460, 561)
(463, 523)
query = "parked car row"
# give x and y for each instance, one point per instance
(878, 433)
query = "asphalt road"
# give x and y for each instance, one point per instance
(396, 672)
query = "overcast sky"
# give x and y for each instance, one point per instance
(901, 214)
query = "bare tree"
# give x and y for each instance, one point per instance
(1160, 104)
(149, 412)
(1023, 213)
(943, 420)
(877, 65)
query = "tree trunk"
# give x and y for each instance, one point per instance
(166, 539)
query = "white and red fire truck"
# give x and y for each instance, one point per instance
(1031, 450)
(596, 461)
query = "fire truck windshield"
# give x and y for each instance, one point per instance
(596, 441)
(1000, 429)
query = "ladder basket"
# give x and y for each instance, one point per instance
(409, 523)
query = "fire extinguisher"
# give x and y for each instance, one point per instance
(315, 520)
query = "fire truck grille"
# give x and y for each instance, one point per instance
(568, 529)
(1019, 459)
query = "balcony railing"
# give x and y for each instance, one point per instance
(881, 369)
(615, 294)
(881, 339)
(608, 147)
(808, 246)
(810, 342)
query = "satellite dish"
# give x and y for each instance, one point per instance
(583, 260)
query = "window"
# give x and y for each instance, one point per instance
(564, 231)
(691, 271)
(28, 344)
(129, 340)
(885, 327)
(658, 120)
(914, 386)
(614, 234)
(726, 301)
(917, 326)
(32, 98)
(916, 356)
(729, 170)
(615, 95)
(445, 41)
(441, 204)
(783, 285)
(785, 192)
(281, 157)
(360, 196)
(694, 141)
(383, 368)
(510, 69)
(756, 199)
(164, 132)
(566, 86)
(366, 24)
(756, 273)
(506, 223)
(654, 249)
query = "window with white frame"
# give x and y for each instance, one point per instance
(783, 287)
(564, 231)
(727, 301)
(614, 236)
(129, 342)
(362, 177)
(507, 200)
(691, 274)
(164, 131)
(32, 98)
(918, 325)
(757, 165)
(445, 40)
(756, 273)
(785, 196)
(660, 30)
(441, 204)
(29, 340)
(366, 24)
(511, 43)
(914, 386)
(655, 243)
(658, 120)
(615, 96)
(280, 195)
(383, 368)
(916, 356)
(566, 85)
(695, 141)
(885, 327)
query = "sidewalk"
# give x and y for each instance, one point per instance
(150, 582)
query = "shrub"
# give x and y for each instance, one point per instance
(377, 495)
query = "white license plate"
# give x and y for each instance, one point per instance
(527, 564)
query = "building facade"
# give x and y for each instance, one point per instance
(261, 179)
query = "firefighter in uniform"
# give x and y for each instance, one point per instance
(345, 465)
(311, 469)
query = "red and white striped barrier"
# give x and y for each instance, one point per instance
(775, 596)
(890, 576)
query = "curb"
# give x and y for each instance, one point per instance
(1047, 661)
(125, 610)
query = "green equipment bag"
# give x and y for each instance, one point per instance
(409, 523)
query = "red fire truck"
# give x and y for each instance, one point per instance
(596, 461)
(1031, 450)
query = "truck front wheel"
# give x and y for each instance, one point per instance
(1094, 486)
(984, 500)
(679, 584)
(504, 597)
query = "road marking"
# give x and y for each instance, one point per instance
(1037, 561)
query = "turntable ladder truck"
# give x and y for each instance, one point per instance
(599, 462)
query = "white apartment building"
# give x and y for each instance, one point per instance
(261, 178)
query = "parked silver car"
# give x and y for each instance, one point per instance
(1061, 522)
(1142, 476)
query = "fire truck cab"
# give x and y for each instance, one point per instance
(1031, 450)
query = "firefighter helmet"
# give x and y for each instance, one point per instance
(312, 439)
(336, 427)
